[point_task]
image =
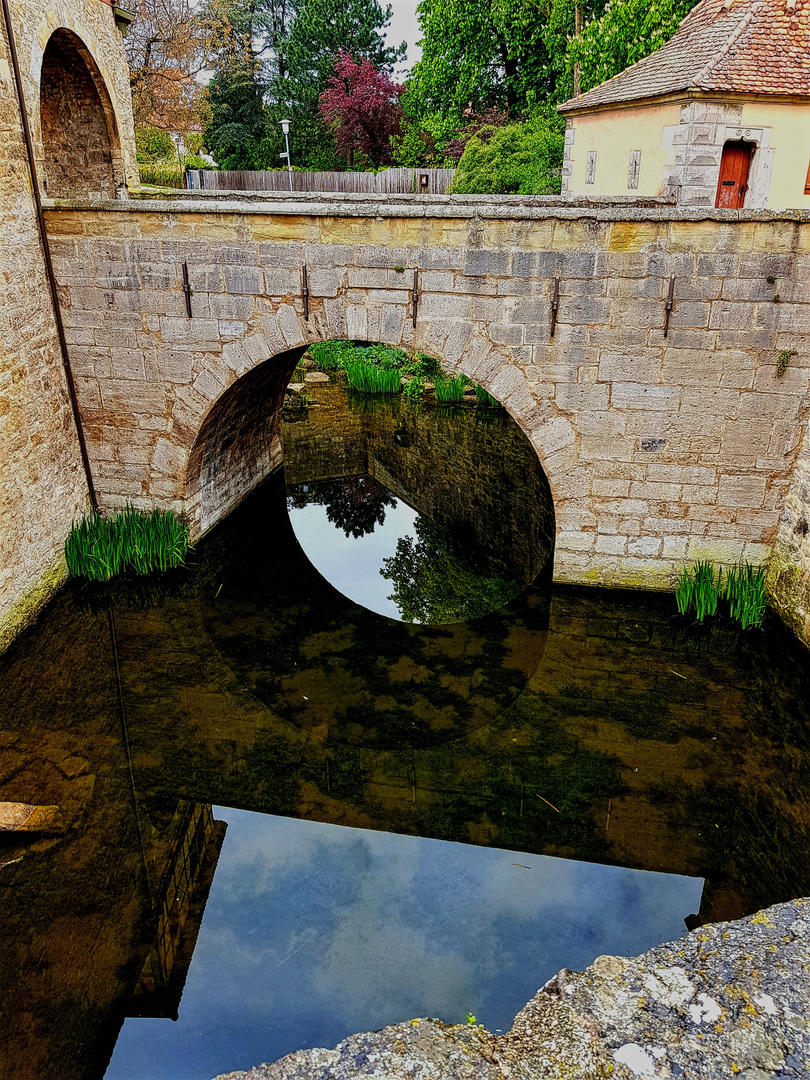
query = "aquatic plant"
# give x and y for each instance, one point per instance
(414, 388)
(745, 591)
(699, 590)
(369, 379)
(99, 547)
(483, 397)
(451, 389)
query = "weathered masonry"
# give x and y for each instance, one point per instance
(659, 447)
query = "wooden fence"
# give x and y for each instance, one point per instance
(387, 182)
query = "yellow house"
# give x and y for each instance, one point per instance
(719, 116)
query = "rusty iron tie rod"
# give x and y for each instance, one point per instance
(187, 289)
(46, 249)
(668, 309)
(555, 304)
(305, 291)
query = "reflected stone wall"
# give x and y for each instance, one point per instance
(469, 470)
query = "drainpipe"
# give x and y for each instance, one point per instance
(57, 311)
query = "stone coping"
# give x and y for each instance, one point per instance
(510, 207)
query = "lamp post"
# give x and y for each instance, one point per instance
(285, 127)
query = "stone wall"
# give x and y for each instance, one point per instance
(42, 485)
(658, 449)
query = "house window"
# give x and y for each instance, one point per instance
(590, 168)
(635, 169)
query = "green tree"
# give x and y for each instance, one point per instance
(628, 31)
(477, 54)
(321, 31)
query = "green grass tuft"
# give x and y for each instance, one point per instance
(100, 548)
(699, 590)
(745, 592)
(450, 390)
(369, 379)
(483, 397)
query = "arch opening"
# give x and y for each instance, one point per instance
(462, 482)
(80, 146)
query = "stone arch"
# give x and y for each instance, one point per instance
(238, 442)
(81, 150)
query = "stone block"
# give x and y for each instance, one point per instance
(632, 395)
(742, 490)
(506, 333)
(629, 367)
(226, 306)
(244, 279)
(282, 282)
(645, 546)
(726, 315)
(483, 263)
(586, 397)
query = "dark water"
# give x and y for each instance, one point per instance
(641, 771)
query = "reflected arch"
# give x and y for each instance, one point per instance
(81, 150)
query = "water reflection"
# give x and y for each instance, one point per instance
(313, 932)
(570, 723)
(450, 506)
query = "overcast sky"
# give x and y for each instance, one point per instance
(404, 27)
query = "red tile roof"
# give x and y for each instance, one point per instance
(737, 46)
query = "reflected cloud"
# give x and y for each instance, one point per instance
(313, 932)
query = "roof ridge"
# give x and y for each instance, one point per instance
(734, 36)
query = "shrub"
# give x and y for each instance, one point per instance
(518, 159)
(171, 176)
(99, 548)
(153, 144)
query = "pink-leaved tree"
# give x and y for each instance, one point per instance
(361, 107)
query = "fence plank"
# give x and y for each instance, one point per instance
(387, 182)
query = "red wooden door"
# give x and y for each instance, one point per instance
(733, 181)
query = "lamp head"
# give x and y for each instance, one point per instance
(285, 126)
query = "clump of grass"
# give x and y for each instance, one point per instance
(450, 390)
(745, 592)
(99, 548)
(699, 590)
(483, 397)
(369, 379)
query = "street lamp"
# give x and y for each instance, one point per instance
(285, 127)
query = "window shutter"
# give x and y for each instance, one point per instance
(635, 169)
(590, 168)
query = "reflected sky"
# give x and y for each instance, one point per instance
(313, 932)
(352, 564)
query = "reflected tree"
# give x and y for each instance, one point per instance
(435, 582)
(355, 504)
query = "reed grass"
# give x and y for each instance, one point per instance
(450, 390)
(745, 592)
(100, 548)
(700, 589)
(369, 379)
(483, 397)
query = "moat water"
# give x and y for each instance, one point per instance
(277, 808)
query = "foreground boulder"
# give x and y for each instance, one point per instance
(727, 1000)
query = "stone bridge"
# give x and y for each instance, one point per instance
(660, 446)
